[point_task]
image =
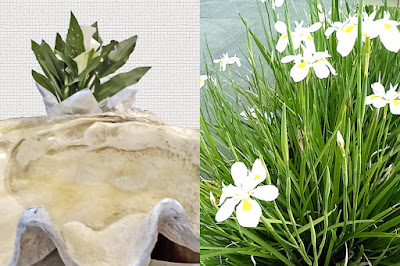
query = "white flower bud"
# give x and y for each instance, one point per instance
(340, 142)
(212, 199)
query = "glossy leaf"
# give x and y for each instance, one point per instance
(118, 57)
(60, 44)
(119, 82)
(96, 35)
(43, 81)
(74, 42)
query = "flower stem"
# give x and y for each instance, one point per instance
(289, 32)
(367, 55)
(360, 114)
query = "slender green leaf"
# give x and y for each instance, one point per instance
(43, 81)
(119, 82)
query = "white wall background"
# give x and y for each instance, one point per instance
(168, 40)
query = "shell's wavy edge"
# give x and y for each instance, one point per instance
(36, 235)
(104, 187)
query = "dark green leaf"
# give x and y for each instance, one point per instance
(72, 68)
(119, 82)
(74, 42)
(43, 81)
(56, 66)
(96, 35)
(46, 65)
(37, 51)
(118, 57)
(60, 44)
(96, 83)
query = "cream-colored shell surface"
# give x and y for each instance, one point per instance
(99, 188)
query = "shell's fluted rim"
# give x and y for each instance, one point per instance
(36, 231)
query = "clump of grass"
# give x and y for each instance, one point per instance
(336, 207)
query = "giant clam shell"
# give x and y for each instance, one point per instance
(98, 189)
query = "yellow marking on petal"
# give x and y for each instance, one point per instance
(309, 37)
(396, 102)
(373, 97)
(284, 36)
(246, 205)
(302, 65)
(387, 26)
(257, 177)
(349, 29)
(322, 60)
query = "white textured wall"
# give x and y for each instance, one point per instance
(168, 40)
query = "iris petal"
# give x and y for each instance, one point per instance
(267, 193)
(226, 210)
(239, 173)
(248, 213)
(258, 173)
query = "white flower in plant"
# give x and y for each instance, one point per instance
(340, 142)
(389, 33)
(322, 15)
(88, 41)
(334, 26)
(370, 27)
(275, 3)
(339, 139)
(300, 34)
(203, 78)
(253, 113)
(346, 34)
(309, 60)
(248, 212)
(212, 199)
(380, 98)
(235, 59)
(91, 47)
(226, 60)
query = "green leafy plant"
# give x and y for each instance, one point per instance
(334, 159)
(81, 61)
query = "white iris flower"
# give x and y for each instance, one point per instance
(203, 78)
(370, 28)
(253, 113)
(389, 33)
(347, 32)
(300, 34)
(309, 60)
(380, 98)
(324, 16)
(275, 3)
(248, 212)
(226, 60)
